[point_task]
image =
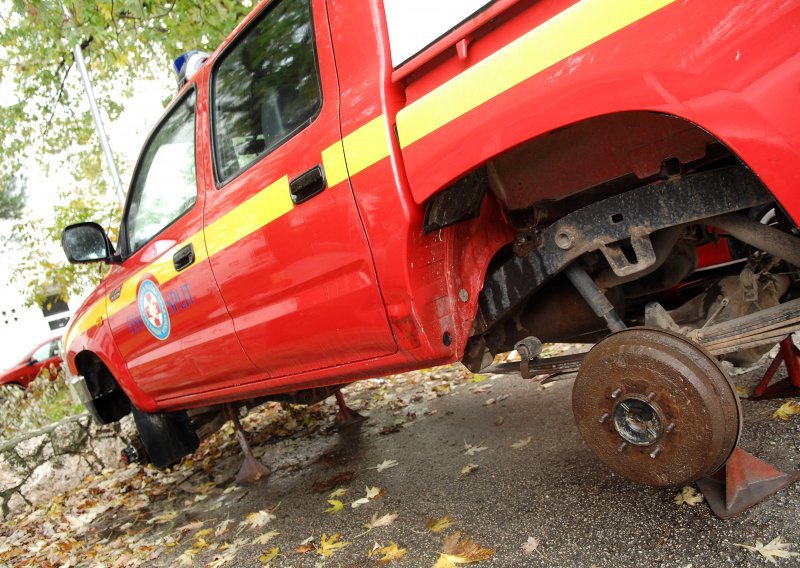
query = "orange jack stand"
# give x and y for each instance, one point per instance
(741, 483)
(788, 387)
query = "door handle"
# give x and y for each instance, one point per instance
(307, 185)
(183, 258)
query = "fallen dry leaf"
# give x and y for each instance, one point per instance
(775, 548)
(187, 558)
(256, 520)
(384, 465)
(329, 545)
(335, 506)
(469, 468)
(438, 525)
(338, 492)
(457, 550)
(689, 496)
(373, 492)
(263, 539)
(269, 555)
(377, 522)
(531, 545)
(522, 443)
(786, 410)
(389, 553)
(470, 450)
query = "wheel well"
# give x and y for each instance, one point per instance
(599, 156)
(110, 401)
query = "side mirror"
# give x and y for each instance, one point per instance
(30, 362)
(86, 242)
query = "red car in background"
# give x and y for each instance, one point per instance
(46, 355)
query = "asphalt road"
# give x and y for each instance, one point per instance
(552, 489)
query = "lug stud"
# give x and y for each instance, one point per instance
(603, 418)
(616, 393)
(670, 428)
(622, 447)
(650, 396)
(655, 452)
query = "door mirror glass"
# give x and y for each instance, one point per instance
(86, 242)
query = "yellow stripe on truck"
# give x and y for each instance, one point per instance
(572, 30)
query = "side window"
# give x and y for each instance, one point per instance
(165, 186)
(265, 86)
(41, 354)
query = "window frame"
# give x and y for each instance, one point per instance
(264, 13)
(123, 240)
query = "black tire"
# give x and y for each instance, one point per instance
(167, 436)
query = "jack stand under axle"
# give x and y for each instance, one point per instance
(789, 355)
(346, 417)
(252, 470)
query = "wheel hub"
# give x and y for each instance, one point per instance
(637, 421)
(656, 408)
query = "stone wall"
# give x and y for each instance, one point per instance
(57, 458)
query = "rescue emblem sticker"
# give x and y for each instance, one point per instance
(153, 310)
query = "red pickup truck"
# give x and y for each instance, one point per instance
(349, 189)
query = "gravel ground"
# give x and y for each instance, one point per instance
(553, 489)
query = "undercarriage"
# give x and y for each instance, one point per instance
(674, 282)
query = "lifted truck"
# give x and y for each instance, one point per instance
(349, 189)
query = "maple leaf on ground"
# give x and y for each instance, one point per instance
(372, 493)
(265, 538)
(269, 555)
(531, 545)
(187, 558)
(438, 525)
(256, 520)
(389, 553)
(338, 492)
(457, 550)
(378, 522)
(329, 545)
(690, 496)
(222, 527)
(385, 464)
(335, 506)
(786, 410)
(469, 468)
(521, 443)
(470, 450)
(775, 548)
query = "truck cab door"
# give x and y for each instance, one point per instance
(285, 238)
(164, 308)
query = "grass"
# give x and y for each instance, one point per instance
(43, 403)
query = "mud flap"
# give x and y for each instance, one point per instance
(167, 436)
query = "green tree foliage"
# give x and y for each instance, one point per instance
(12, 197)
(123, 41)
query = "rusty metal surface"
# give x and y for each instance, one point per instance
(636, 213)
(743, 482)
(539, 367)
(693, 410)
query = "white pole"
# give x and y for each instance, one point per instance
(98, 123)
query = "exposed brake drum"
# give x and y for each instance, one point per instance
(656, 408)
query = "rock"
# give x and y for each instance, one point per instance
(10, 475)
(68, 436)
(108, 451)
(32, 446)
(16, 504)
(58, 475)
